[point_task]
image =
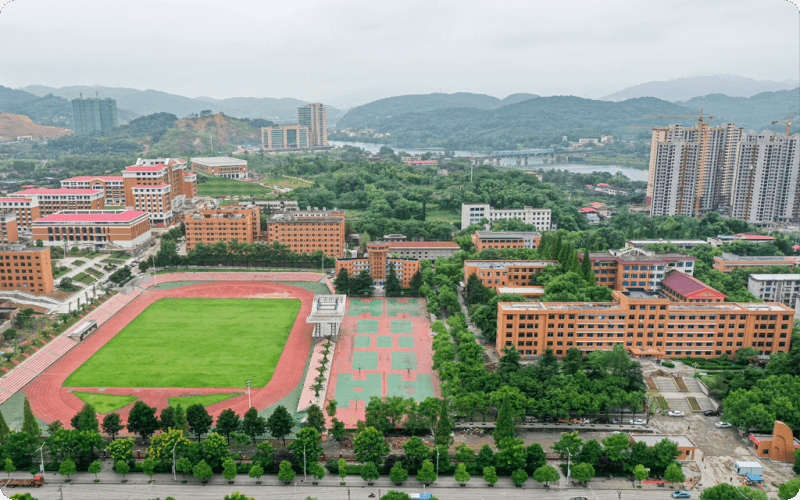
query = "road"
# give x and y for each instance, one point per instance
(477, 491)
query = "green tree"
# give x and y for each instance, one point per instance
(142, 420)
(317, 471)
(535, 457)
(416, 282)
(789, 489)
(512, 454)
(519, 477)
(504, 427)
(29, 422)
(444, 427)
(674, 473)
(725, 491)
(370, 446)
(237, 496)
(86, 419)
(112, 424)
(342, 282)
(337, 431)
(184, 466)
(590, 453)
(198, 420)
(426, 474)
(796, 467)
(342, 463)
(307, 442)
(149, 466)
(616, 447)
(331, 408)
(742, 355)
(256, 471)
(461, 475)
(120, 449)
(569, 443)
(9, 467)
(664, 453)
(229, 469)
(167, 418)
(416, 452)
(546, 474)
(67, 468)
(22, 496)
(369, 472)
(582, 472)
(202, 470)
(215, 450)
(393, 288)
(180, 419)
(395, 495)
(315, 418)
(95, 468)
(640, 473)
(227, 423)
(253, 425)
(485, 457)
(285, 472)
(122, 467)
(490, 475)
(398, 474)
(280, 423)
(4, 430)
(586, 268)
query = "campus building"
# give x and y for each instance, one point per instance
(647, 324)
(783, 288)
(307, 231)
(429, 250)
(377, 262)
(51, 201)
(121, 228)
(508, 239)
(779, 446)
(680, 287)
(681, 244)
(223, 224)
(26, 209)
(26, 269)
(474, 213)
(113, 187)
(686, 446)
(315, 118)
(158, 186)
(727, 262)
(310, 131)
(504, 273)
(8, 228)
(93, 115)
(223, 166)
(718, 241)
(637, 267)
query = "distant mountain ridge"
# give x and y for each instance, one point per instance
(683, 89)
(146, 102)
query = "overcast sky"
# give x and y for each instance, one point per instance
(348, 52)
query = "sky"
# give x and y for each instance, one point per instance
(349, 52)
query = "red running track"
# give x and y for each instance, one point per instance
(50, 401)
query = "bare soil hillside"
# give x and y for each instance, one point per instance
(12, 126)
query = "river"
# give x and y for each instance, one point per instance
(633, 174)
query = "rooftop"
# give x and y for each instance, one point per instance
(507, 234)
(654, 439)
(631, 254)
(56, 191)
(87, 178)
(689, 286)
(145, 168)
(754, 237)
(157, 186)
(752, 258)
(92, 216)
(521, 290)
(423, 244)
(218, 161)
(775, 277)
(503, 264)
(675, 241)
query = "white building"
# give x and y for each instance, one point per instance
(473, 213)
(783, 288)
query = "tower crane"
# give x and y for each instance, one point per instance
(97, 93)
(699, 117)
(787, 122)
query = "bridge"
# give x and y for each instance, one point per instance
(521, 153)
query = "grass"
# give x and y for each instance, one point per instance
(94, 271)
(286, 182)
(78, 263)
(83, 278)
(194, 343)
(218, 186)
(204, 399)
(105, 403)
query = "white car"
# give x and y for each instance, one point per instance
(676, 413)
(637, 421)
(723, 425)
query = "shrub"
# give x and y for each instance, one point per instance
(668, 364)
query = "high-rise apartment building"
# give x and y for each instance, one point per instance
(310, 131)
(315, 117)
(93, 115)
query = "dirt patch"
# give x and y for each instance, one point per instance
(13, 126)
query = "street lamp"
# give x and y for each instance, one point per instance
(249, 405)
(305, 478)
(174, 478)
(569, 455)
(41, 455)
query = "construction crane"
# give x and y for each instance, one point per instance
(97, 93)
(699, 118)
(787, 122)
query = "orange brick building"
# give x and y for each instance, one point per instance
(680, 287)
(779, 446)
(190, 186)
(122, 228)
(224, 224)
(8, 228)
(227, 167)
(490, 239)
(637, 267)
(26, 209)
(377, 262)
(145, 184)
(307, 231)
(647, 324)
(54, 200)
(504, 273)
(685, 445)
(727, 262)
(26, 269)
(113, 187)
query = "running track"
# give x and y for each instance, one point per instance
(50, 401)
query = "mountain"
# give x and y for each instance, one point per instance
(682, 89)
(12, 126)
(754, 113)
(377, 112)
(146, 102)
(46, 110)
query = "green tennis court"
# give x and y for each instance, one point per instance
(372, 306)
(348, 389)
(404, 361)
(365, 360)
(362, 341)
(367, 326)
(384, 341)
(410, 306)
(405, 342)
(419, 389)
(401, 326)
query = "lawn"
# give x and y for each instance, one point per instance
(105, 403)
(194, 343)
(83, 278)
(203, 399)
(218, 186)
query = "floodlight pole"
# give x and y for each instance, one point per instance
(174, 478)
(249, 404)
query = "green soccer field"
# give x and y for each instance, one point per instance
(194, 343)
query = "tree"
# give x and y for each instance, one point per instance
(142, 420)
(370, 446)
(519, 477)
(285, 472)
(444, 427)
(122, 467)
(535, 458)
(315, 418)
(674, 473)
(744, 354)
(398, 474)
(461, 475)
(201, 469)
(616, 447)
(308, 442)
(112, 424)
(512, 455)
(316, 470)
(227, 424)
(664, 453)
(167, 418)
(789, 489)
(252, 424)
(256, 471)
(342, 463)
(395, 495)
(67, 468)
(490, 475)
(485, 457)
(184, 466)
(215, 450)
(796, 467)
(237, 496)
(120, 449)
(229, 469)
(546, 474)
(569, 443)
(590, 453)
(29, 423)
(426, 474)
(337, 431)
(95, 468)
(369, 472)
(342, 282)
(416, 282)
(392, 286)
(582, 472)
(86, 419)
(149, 466)
(331, 408)
(640, 473)
(9, 467)
(416, 453)
(504, 427)
(280, 423)
(198, 420)
(725, 491)
(180, 419)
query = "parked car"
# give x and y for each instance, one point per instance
(723, 425)
(681, 494)
(676, 413)
(616, 421)
(711, 413)
(637, 421)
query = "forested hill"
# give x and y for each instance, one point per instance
(751, 113)
(46, 110)
(377, 112)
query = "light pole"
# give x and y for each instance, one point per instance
(305, 478)
(154, 269)
(41, 455)
(569, 455)
(249, 404)
(174, 478)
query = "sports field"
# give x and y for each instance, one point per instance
(194, 343)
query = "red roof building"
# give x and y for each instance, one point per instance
(753, 237)
(680, 287)
(121, 228)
